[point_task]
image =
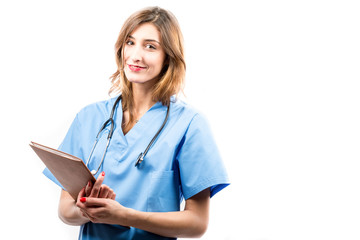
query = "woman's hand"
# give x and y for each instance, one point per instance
(98, 190)
(71, 214)
(102, 210)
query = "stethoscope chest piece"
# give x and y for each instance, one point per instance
(139, 159)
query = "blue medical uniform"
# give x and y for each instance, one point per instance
(182, 162)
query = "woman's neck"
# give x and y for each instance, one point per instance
(143, 99)
(142, 102)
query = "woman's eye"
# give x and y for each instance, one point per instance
(150, 46)
(129, 42)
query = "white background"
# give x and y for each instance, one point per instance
(278, 81)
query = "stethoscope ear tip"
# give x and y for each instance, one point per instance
(93, 172)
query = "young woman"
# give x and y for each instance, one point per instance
(161, 150)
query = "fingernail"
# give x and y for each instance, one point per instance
(103, 173)
(83, 199)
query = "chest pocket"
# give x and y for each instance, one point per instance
(164, 192)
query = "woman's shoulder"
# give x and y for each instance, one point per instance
(102, 107)
(181, 105)
(186, 110)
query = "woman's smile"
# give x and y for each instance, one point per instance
(135, 68)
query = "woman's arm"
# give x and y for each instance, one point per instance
(192, 222)
(68, 212)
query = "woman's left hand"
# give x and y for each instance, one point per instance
(103, 210)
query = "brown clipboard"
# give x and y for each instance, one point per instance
(69, 170)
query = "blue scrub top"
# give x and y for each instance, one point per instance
(182, 162)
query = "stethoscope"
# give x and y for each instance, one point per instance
(111, 121)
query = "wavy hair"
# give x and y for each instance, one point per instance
(172, 76)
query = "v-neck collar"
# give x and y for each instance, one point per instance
(135, 131)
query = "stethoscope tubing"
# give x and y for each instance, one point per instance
(142, 155)
(111, 131)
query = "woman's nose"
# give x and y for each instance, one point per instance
(136, 54)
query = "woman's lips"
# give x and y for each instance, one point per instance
(135, 68)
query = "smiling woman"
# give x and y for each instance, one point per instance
(143, 202)
(143, 55)
(162, 35)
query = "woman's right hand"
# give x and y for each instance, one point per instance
(98, 190)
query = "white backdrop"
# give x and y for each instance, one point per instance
(278, 81)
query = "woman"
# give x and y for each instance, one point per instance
(143, 201)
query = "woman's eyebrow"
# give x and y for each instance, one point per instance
(147, 40)
(152, 40)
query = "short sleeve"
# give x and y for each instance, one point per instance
(200, 164)
(70, 145)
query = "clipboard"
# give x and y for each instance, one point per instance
(69, 170)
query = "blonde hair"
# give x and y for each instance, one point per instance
(172, 76)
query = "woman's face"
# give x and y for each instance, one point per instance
(143, 54)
